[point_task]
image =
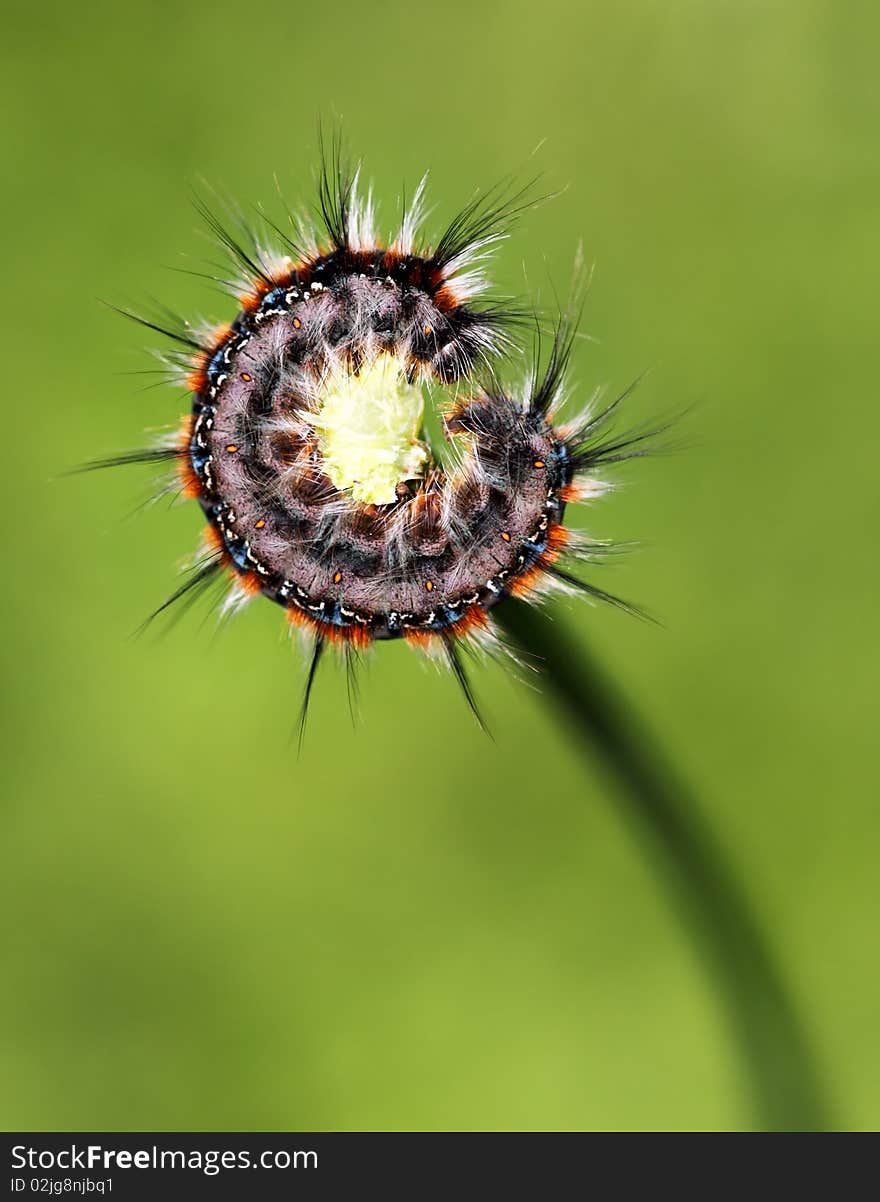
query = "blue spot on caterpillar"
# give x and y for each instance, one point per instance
(304, 444)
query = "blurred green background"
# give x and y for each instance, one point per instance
(411, 926)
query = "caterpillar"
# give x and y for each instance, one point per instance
(305, 444)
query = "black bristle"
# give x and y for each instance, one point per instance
(598, 594)
(336, 181)
(589, 451)
(195, 585)
(453, 657)
(547, 387)
(488, 215)
(124, 458)
(182, 335)
(317, 652)
(237, 247)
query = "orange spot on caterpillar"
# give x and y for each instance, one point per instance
(429, 585)
(232, 448)
(337, 577)
(246, 377)
(539, 463)
(505, 536)
(296, 323)
(427, 331)
(260, 524)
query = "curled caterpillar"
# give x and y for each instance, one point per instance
(305, 445)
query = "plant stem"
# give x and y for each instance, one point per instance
(700, 882)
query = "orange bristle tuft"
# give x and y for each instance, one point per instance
(250, 300)
(446, 298)
(356, 636)
(474, 618)
(557, 539)
(190, 485)
(525, 583)
(249, 582)
(214, 541)
(216, 338)
(571, 493)
(418, 638)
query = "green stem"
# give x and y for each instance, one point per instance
(705, 891)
